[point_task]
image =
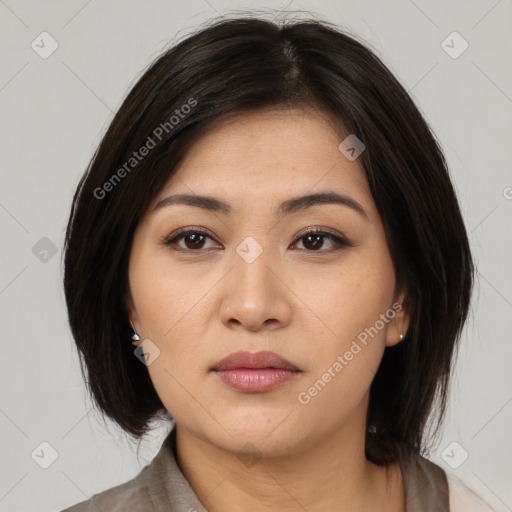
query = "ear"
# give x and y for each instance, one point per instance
(399, 314)
(132, 315)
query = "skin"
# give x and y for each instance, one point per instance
(303, 301)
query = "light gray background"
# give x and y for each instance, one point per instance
(53, 113)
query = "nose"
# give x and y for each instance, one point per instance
(255, 295)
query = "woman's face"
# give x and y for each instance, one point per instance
(257, 281)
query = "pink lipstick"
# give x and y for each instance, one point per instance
(257, 372)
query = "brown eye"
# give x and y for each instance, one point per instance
(314, 241)
(194, 240)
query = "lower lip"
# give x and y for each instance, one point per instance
(257, 380)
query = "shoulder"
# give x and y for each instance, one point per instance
(429, 487)
(463, 499)
(129, 496)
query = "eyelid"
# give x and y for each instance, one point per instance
(320, 230)
(190, 229)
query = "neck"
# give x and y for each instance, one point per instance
(327, 474)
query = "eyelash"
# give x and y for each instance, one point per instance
(337, 240)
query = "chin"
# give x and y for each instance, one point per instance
(258, 426)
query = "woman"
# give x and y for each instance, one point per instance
(270, 222)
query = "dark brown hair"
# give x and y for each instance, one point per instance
(233, 66)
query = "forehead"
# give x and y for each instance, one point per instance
(267, 155)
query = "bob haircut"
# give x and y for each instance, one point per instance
(235, 66)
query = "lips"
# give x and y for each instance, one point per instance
(258, 372)
(244, 359)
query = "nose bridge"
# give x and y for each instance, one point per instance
(253, 293)
(253, 263)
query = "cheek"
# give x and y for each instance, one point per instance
(167, 304)
(169, 312)
(165, 298)
(349, 298)
(350, 333)
(169, 307)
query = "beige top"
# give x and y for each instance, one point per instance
(162, 487)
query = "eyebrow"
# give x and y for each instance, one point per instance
(288, 207)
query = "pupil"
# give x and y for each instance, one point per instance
(196, 240)
(315, 244)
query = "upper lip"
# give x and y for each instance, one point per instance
(244, 359)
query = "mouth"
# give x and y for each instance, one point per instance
(255, 372)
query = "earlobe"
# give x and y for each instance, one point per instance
(135, 336)
(392, 340)
(399, 324)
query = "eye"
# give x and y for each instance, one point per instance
(194, 240)
(313, 240)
